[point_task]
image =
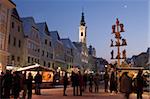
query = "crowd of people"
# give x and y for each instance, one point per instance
(14, 83)
(79, 82)
(125, 84)
(112, 83)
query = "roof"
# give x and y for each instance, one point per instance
(15, 14)
(35, 67)
(67, 42)
(78, 45)
(55, 35)
(12, 2)
(43, 28)
(28, 23)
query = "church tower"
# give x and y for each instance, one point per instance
(82, 30)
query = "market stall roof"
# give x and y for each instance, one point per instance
(35, 67)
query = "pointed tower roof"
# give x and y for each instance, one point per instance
(82, 22)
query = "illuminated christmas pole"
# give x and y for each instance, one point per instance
(117, 29)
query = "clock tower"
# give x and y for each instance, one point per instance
(82, 30)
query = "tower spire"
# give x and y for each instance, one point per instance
(82, 22)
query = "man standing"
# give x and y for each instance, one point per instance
(29, 85)
(106, 79)
(65, 80)
(38, 81)
(139, 84)
(7, 84)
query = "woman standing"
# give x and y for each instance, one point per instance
(29, 85)
(65, 79)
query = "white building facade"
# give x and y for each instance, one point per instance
(46, 48)
(32, 42)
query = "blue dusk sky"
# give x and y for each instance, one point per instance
(65, 15)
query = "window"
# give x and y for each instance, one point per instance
(47, 54)
(28, 59)
(50, 44)
(49, 64)
(12, 57)
(18, 59)
(42, 53)
(19, 43)
(32, 59)
(53, 65)
(44, 63)
(18, 28)
(14, 41)
(9, 39)
(45, 41)
(38, 61)
(81, 33)
(38, 50)
(2, 41)
(51, 56)
(13, 25)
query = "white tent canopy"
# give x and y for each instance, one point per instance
(35, 67)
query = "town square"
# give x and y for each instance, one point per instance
(86, 49)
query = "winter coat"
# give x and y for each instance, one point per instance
(126, 84)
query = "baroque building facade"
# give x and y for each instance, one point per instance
(15, 40)
(59, 59)
(46, 48)
(32, 42)
(6, 7)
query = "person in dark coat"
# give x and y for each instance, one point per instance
(113, 82)
(24, 81)
(106, 80)
(65, 83)
(1, 88)
(90, 82)
(38, 81)
(7, 84)
(96, 82)
(75, 83)
(139, 84)
(15, 85)
(80, 82)
(29, 85)
(84, 82)
(126, 84)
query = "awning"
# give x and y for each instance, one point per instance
(35, 67)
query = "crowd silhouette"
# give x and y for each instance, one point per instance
(11, 84)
